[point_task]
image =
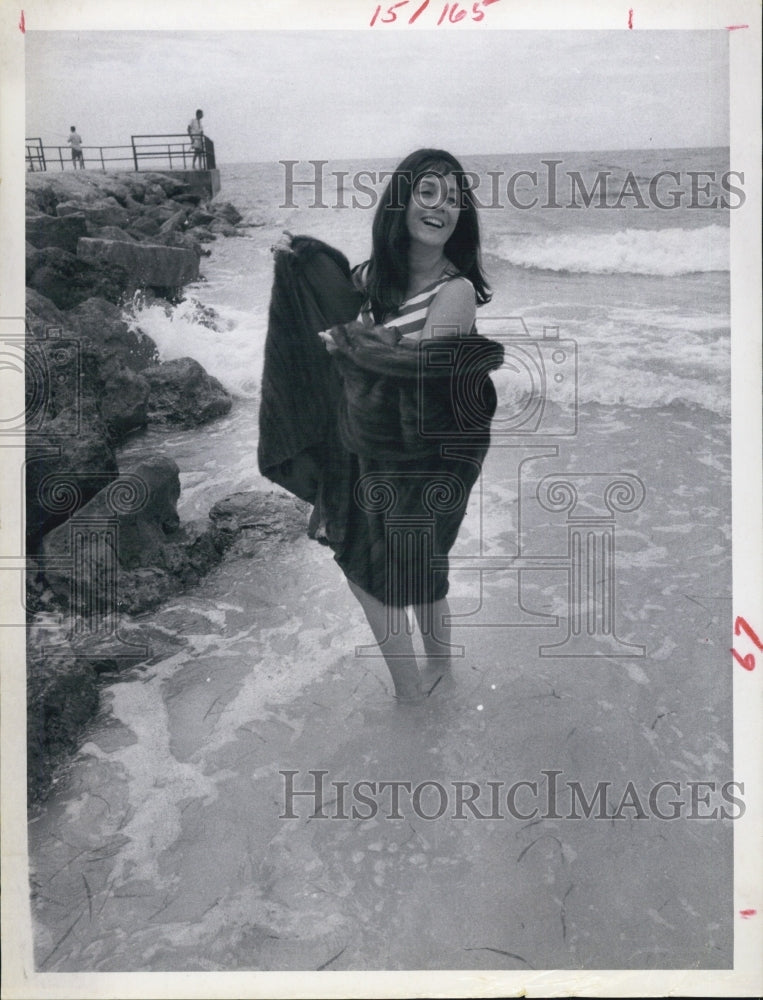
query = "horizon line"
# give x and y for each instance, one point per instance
(566, 152)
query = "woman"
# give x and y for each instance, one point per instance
(408, 423)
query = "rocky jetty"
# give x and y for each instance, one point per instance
(105, 542)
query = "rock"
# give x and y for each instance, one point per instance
(43, 317)
(44, 191)
(204, 315)
(134, 207)
(68, 280)
(47, 190)
(117, 190)
(252, 523)
(183, 393)
(203, 234)
(108, 233)
(92, 364)
(138, 509)
(79, 463)
(174, 223)
(145, 264)
(62, 372)
(35, 202)
(200, 217)
(145, 226)
(49, 231)
(154, 194)
(137, 190)
(184, 240)
(162, 212)
(143, 556)
(223, 228)
(171, 186)
(224, 210)
(124, 403)
(183, 560)
(148, 526)
(64, 208)
(62, 695)
(102, 323)
(189, 198)
(107, 212)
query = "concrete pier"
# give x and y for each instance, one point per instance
(203, 182)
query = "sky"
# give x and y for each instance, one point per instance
(270, 95)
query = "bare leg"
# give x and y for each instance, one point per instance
(391, 630)
(435, 633)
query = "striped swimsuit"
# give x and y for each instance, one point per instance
(410, 318)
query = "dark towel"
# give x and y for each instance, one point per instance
(312, 291)
(385, 436)
(404, 399)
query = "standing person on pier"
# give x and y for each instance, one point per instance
(75, 141)
(196, 132)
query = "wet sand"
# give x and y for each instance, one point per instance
(162, 846)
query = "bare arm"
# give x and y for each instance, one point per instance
(451, 314)
(453, 311)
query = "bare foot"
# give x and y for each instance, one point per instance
(436, 671)
(410, 696)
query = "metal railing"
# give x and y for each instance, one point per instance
(35, 154)
(171, 151)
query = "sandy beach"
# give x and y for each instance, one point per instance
(162, 846)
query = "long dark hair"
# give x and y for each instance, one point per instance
(385, 276)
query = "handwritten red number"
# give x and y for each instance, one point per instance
(452, 12)
(390, 16)
(420, 10)
(748, 662)
(391, 11)
(741, 625)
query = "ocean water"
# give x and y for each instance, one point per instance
(642, 291)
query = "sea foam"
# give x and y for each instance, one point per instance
(667, 252)
(227, 342)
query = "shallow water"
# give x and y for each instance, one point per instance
(162, 847)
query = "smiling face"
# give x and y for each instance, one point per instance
(432, 213)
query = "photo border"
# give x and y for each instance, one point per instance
(742, 19)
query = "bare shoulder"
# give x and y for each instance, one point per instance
(453, 310)
(459, 285)
(458, 293)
